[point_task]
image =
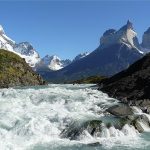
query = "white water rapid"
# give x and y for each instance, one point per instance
(33, 118)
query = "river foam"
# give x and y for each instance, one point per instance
(32, 118)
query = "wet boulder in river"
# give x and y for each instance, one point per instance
(120, 110)
(74, 130)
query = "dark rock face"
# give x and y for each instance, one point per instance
(146, 41)
(14, 71)
(131, 85)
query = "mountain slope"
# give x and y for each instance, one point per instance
(146, 41)
(14, 71)
(108, 59)
(5, 42)
(24, 49)
(31, 56)
(132, 84)
(80, 56)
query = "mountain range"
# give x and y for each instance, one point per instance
(117, 50)
(32, 57)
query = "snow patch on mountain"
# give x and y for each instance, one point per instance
(5, 42)
(1, 30)
(24, 49)
(80, 56)
(52, 62)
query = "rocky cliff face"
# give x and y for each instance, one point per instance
(146, 41)
(14, 71)
(125, 35)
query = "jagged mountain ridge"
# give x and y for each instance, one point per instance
(117, 50)
(24, 49)
(124, 36)
(52, 63)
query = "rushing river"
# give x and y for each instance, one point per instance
(33, 118)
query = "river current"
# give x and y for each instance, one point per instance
(33, 118)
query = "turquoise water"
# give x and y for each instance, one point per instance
(32, 118)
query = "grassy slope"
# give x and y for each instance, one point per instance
(14, 71)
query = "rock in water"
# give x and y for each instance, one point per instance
(74, 130)
(14, 71)
(120, 110)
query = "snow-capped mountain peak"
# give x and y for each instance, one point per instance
(47, 59)
(125, 35)
(53, 62)
(24, 49)
(128, 36)
(127, 26)
(5, 42)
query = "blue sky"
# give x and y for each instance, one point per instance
(66, 28)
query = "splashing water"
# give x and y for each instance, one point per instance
(33, 118)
